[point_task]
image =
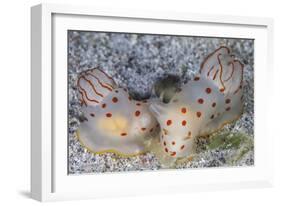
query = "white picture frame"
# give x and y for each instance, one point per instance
(49, 178)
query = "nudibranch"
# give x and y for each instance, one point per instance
(203, 105)
(113, 121)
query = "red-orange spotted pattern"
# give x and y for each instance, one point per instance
(137, 113)
(173, 153)
(112, 118)
(208, 90)
(108, 114)
(183, 110)
(169, 122)
(203, 104)
(227, 101)
(200, 101)
(114, 99)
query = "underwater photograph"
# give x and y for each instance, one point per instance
(141, 102)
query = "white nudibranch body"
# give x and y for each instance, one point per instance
(203, 105)
(113, 121)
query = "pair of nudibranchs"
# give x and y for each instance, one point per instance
(114, 122)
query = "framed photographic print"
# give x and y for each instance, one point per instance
(134, 102)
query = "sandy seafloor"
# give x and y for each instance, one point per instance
(136, 61)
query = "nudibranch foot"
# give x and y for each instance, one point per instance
(154, 146)
(134, 150)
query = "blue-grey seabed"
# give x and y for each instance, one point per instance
(136, 62)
